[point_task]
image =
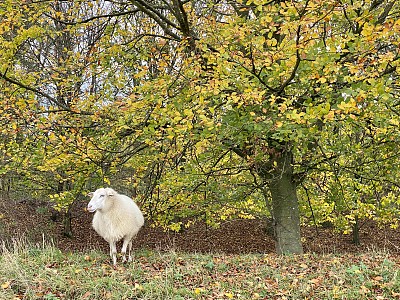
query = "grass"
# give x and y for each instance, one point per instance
(43, 272)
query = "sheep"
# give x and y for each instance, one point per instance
(116, 217)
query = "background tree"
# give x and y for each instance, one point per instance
(56, 81)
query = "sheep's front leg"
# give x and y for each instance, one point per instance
(113, 252)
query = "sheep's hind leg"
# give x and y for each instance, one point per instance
(129, 251)
(113, 252)
(126, 244)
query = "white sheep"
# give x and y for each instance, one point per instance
(117, 217)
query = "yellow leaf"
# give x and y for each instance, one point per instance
(364, 290)
(266, 19)
(368, 29)
(6, 285)
(330, 115)
(348, 106)
(283, 107)
(229, 295)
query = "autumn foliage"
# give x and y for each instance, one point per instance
(207, 109)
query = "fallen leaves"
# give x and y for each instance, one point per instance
(216, 276)
(6, 285)
(86, 295)
(138, 287)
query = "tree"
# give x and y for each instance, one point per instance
(60, 93)
(270, 80)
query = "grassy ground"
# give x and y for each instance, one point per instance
(44, 272)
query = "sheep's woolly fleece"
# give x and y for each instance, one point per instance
(117, 217)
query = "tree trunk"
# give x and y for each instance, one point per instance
(67, 216)
(356, 231)
(285, 207)
(67, 222)
(278, 173)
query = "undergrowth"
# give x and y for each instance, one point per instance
(44, 272)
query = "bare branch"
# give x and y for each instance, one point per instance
(161, 20)
(111, 15)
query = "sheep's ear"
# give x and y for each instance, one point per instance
(90, 194)
(110, 192)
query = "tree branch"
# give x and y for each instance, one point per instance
(36, 91)
(385, 13)
(116, 14)
(296, 66)
(161, 20)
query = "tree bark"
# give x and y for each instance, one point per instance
(67, 222)
(285, 207)
(356, 231)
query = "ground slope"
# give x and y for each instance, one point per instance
(36, 221)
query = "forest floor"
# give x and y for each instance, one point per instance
(35, 221)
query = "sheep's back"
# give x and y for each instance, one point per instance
(122, 219)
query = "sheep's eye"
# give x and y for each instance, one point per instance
(101, 196)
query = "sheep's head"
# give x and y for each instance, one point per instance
(98, 198)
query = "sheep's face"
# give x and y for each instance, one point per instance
(98, 199)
